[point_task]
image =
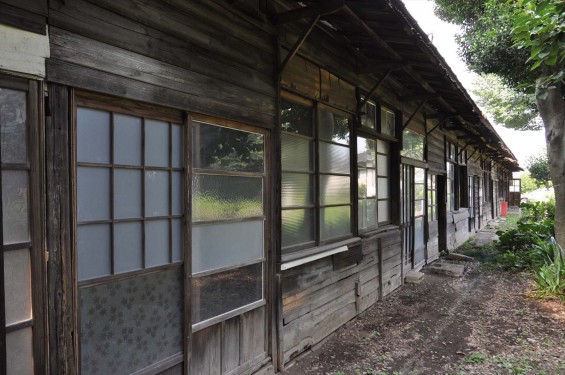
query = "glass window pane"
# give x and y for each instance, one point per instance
(127, 193)
(296, 118)
(156, 193)
(128, 246)
(218, 197)
(156, 242)
(419, 175)
(384, 211)
(17, 285)
(387, 122)
(178, 240)
(93, 136)
(412, 145)
(368, 120)
(130, 324)
(221, 245)
(19, 352)
(226, 291)
(335, 222)
(127, 139)
(419, 208)
(367, 213)
(334, 158)
(382, 165)
(177, 193)
(15, 216)
(157, 143)
(333, 127)
(297, 154)
(418, 191)
(93, 251)
(220, 148)
(367, 183)
(298, 227)
(384, 188)
(418, 232)
(334, 190)
(177, 145)
(366, 152)
(13, 126)
(297, 189)
(93, 193)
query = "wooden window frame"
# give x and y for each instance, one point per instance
(34, 167)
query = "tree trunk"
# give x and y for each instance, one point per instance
(552, 111)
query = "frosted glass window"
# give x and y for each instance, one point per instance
(156, 193)
(419, 175)
(384, 188)
(418, 232)
(367, 183)
(335, 222)
(297, 189)
(127, 139)
(177, 145)
(177, 240)
(333, 127)
(156, 143)
(177, 193)
(383, 211)
(297, 154)
(15, 210)
(128, 246)
(367, 213)
(383, 147)
(218, 197)
(334, 158)
(127, 193)
(93, 136)
(334, 190)
(13, 125)
(366, 156)
(298, 227)
(418, 208)
(17, 285)
(93, 190)
(93, 248)
(382, 165)
(226, 291)
(388, 120)
(227, 244)
(19, 352)
(156, 242)
(296, 118)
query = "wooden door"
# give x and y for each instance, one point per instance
(407, 215)
(413, 215)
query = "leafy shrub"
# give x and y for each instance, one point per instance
(550, 278)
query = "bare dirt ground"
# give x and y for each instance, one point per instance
(481, 323)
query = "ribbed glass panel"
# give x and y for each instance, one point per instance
(334, 158)
(298, 227)
(93, 193)
(384, 188)
(93, 136)
(128, 134)
(335, 222)
(334, 190)
(218, 197)
(297, 189)
(296, 154)
(383, 211)
(15, 210)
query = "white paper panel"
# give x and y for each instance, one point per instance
(128, 246)
(19, 352)
(17, 286)
(127, 139)
(93, 136)
(93, 193)
(93, 247)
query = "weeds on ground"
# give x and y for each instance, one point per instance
(475, 358)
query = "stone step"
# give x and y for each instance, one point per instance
(413, 277)
(447, 269)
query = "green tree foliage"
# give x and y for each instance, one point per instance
(528, 183)
(538, 166)
(509, 107)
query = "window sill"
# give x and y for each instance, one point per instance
(380, 230)
(306, 256)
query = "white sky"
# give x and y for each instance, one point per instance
(522, 143)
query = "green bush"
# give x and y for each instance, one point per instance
(550, 278)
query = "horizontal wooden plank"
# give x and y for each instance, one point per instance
(22, 19)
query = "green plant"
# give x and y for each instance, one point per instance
(476, 357)
(550, 278)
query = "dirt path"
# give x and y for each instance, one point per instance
(478, 324)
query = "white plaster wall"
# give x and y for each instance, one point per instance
(23, 51)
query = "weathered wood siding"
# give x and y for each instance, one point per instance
(432, 246)
(457, 228)
(196, 56)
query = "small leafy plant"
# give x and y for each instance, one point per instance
(476, 358)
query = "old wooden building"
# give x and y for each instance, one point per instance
(215, 186)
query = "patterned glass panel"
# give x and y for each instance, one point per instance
(226, 291)
(334, 190)
(13, 126)
(334, 158)
(297, 189)
(15, 216)
(335, 222)
(93, 136)
(217, 197)
(127, 325)
(298, 227)
(297, 154)
(127, 140)
(19, 352)
(17, 285)
(333, 127)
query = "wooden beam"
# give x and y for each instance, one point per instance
(425, 97)
(379, 67)
(442, 116)
(414, 114)
(317, 10)
(297, 45)
(375, 87)
(434, 128)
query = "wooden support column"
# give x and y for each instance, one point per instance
(60, 267)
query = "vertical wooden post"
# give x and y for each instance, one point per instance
(60, 269)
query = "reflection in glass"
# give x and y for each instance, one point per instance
(17, 286)
(15, 217)
(296, 118)
(412, 145)
(366, 152)
(419, 191)
(296, 154)
(387, 121)
(335, 222)
(226, 291)
(13, 126)
(297, 189)
(220, 148)
(333, 127)
(418, 232)
(298, 227)
(334, 158)
(367, 183)
(218, 197)
(334, 190)
(368, 120)
(93, 136)
(367, 213)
